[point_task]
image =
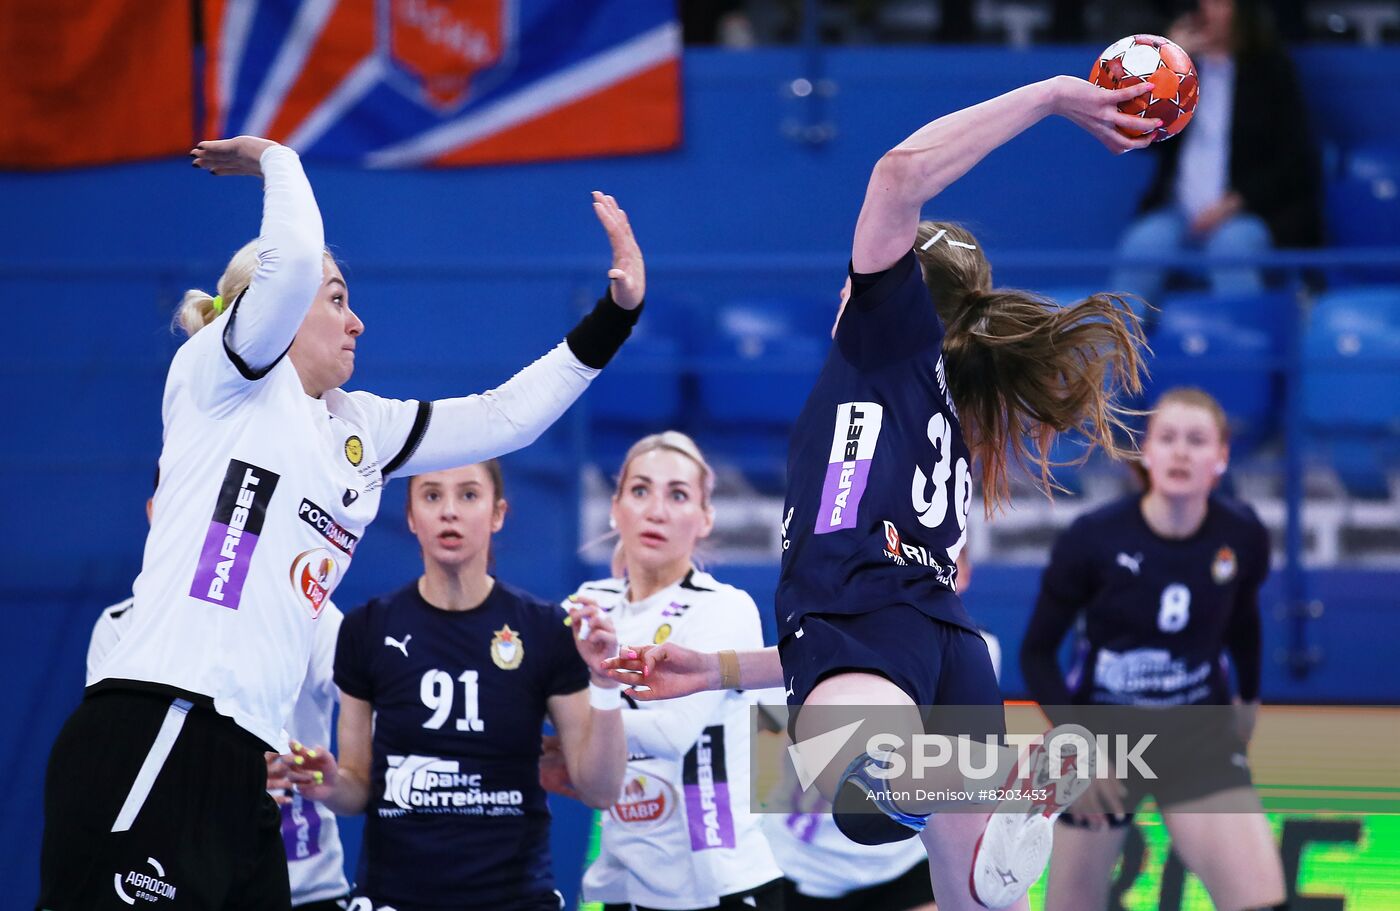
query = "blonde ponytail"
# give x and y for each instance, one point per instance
(196, 309)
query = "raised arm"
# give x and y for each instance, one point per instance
(474, 428)
(290, 247)
(936, 155)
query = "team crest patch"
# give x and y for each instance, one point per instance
(646, 802)
(1223, 569)
(663, 632)
(314, 574)
(354, 450)
(507, 648)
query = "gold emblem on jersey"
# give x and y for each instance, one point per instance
(354, 450)
(1224, 567)
(663, 632)
(507, 648)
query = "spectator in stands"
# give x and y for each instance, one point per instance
(1242, 178)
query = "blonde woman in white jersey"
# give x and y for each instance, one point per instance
(310, 835)
(680, 836)
(269, 475)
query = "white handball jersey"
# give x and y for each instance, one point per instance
(264, 494)
(265, 491)
(315, 858)
(681, 835)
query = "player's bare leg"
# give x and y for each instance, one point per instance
(1233, 854)
(1081, 867)
(951, 840)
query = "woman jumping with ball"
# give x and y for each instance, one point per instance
(932, 373)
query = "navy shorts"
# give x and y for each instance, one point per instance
(1196, 756)
(933, 662)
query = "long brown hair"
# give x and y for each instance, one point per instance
(1022, 369)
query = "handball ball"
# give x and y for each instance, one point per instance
(1129, 61)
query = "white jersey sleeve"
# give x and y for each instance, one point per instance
(474, 428)
(111, 623)
(245, 342)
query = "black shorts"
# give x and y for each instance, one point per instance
(934, 663)
(910, 889)
(325, 904)
(159, 804)
(1198, 755)
(364, 902)
(767, 897)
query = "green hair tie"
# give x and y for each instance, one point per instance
(218, 304)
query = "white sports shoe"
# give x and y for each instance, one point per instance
(1015, 846)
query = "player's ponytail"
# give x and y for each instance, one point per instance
(1022, 369)
(197, 308)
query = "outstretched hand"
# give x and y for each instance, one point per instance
(628, 273)
(312, 771)
(1095, 109)
(666, 671)
(224, 157)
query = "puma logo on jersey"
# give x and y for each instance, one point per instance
(401, 646)
(1132, 564)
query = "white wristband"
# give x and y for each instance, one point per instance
(604, 698)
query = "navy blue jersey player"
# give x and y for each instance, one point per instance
(445, 686)
(1166, 585)
(934, 377)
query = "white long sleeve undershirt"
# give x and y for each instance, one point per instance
(290, 248)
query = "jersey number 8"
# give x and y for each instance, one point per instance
(436, 691)
(1175, 611)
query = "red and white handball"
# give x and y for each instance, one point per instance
(1152, 58)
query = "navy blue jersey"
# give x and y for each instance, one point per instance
(879, 478)
(1158, 614)
(456, 814)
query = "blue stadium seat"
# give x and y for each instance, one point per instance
(1222, 344)
(1351, 402)
(1363, 201)
(758, 365)
(761, 359)
(642, 388)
